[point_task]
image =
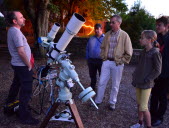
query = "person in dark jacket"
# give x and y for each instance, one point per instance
(147, 70)
(158, 102)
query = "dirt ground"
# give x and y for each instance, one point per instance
(124, 115)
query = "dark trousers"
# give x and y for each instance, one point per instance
(94, 66)
(158, 101)
(22, 84)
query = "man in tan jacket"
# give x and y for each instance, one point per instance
(116, 50)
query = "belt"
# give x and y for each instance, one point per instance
(111, 59)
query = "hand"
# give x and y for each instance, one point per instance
(29, 67)
(146, 80)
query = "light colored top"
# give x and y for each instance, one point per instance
(15, 39)
(123, 50)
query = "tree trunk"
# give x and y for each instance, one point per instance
(39, 16)
(42, 22)
(30, 10)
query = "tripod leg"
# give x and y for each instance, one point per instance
(75, 114)
(49, 115)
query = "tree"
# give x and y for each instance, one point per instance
(90, 9)
(40, 11)
(66, 9)
(37, 11)
(137, 20)
(102, 9)
(39, 15)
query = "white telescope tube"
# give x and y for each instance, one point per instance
(53, 31)
(72, 28)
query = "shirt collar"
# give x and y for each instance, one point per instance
(102, 35)
(114, 33)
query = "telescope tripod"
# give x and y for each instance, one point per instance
(72, 106)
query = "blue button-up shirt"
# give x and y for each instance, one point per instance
(93, 47)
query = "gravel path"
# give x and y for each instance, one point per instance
(124, 115)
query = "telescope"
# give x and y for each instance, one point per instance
(45, 41)
(57, 54)
(72, 29)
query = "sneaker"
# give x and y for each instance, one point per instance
(30, 121)
(112, 107)
(157, 123)
(137, 126)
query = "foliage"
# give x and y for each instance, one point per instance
(102, 9)
(91, 9)
(134, 22)
(62, 10)
(137, 20)
(52, 7)
(66, 9)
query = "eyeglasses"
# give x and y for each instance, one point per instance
(113, 22)
(142, 38)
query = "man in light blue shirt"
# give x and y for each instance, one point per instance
(93, 54)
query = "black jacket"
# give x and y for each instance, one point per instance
(164, 45)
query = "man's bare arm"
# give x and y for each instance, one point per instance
(24, 58)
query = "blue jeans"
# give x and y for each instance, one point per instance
(22, 84)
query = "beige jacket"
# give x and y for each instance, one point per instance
(123, 50)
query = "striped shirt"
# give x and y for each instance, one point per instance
(113, 43)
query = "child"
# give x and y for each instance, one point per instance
(148, 69)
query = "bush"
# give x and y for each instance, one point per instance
(137, 20)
